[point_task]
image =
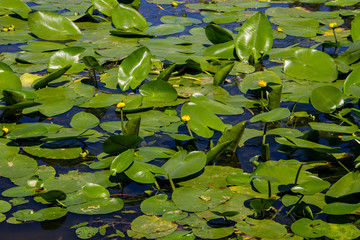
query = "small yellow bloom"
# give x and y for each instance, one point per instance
(185, 118)
(333, 25)
(4, 29)
(279, 29)
(174, 4)
(12, 28)
(5, 130)
(84, 154)
(121, 105)
(262, 83)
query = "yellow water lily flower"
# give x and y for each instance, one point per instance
(5, 130)
(121, 105)
(333, 25)
(279, 29)
(185, 118)
(262, 83)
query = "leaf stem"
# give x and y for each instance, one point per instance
(171, 182)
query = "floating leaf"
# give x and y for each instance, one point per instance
(17, 6)
(262, 228)
(92, 190)
(134, 68)
(105, 6)
(151, 227)
(86, 232)
(157, 205)
(4, 206)
(312, 65)
(310, 228)
(127, 18)
(84, 120)
(255, 38)
(52, 26)
(8, 78)
(217, 34)
(326, 98)
(65, 57)
(213, 233)
(120, 143)
(355, 28)
(158, 91)
(98, 206)
(122, 162)
(272, 116)
(182, 164)
(352, 83)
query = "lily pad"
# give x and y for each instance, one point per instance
(262, 228)
(157, 205)
(98, 206)
(151, 227)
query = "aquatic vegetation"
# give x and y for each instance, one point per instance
(209, 126)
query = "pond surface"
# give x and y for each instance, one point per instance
(307, 154)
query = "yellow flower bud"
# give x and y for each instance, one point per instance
(121, 105)
(5, 130)
(174, 4)
(4, 29)
(333, 25)
(185, 118)
(262, 83)
(279, 29)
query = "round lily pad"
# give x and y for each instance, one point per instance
(152, 227)
(99, 206)
(310, 228)
(262, 228)
(86, 232)
(4, 206)
(157, 205)
(17, 166)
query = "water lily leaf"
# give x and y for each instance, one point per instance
(4, 206)
(27, 131)
(339, 208)
(326, 98)
(49, 153)
(105, 6)
(17, 6)
(143, 172)
(127, 18)
(84, 120)
(165, 29)
(345, 186)
(343, 231)
(134, 68)
(26, 215)
(55, 107)
(234, 135)
(98, 206)
(92, 63)
(42, 82)
(122, 161)
(216, 151)
(146, 154)
(221, 50)
(101, 100)
(302, 143)
(201, 119)
(217, 34)
(21, 191)
(86, 232)
(151, 227)
(255, 38)
(158, 91)
(65, 57)
(182, 164)
(52, 26)
(251, 81)
(51, 213)
(213, 233)
(117, 144)
(8, 79)
(222, 73)
(197, 200)
(352, 83)
(92, 190)
(272, 116)
(333, 127)
(186, 21)
(310, 228)
(312, 65)
(214, 106)
(355, 28)
(157, 205)
(262, 228)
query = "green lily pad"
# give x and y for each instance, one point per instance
(338, 208)
(86, 232)
(352, 83)
(60, 153)
(345, 186)
(127, 18)
(84, 120)
(326, 98)
(272, 116)
(213, 233)
(182, 164)
(165, 29)
(17, 6)
(251, 81)
(310, 228)
(17, 166)
(343, 231)
(143, 172)
(196, 200)
(98, 206)
(157, 205)
(312, 65)
(92, 190)
(186, 21)
(333, 128)
(262, 228)
(8, 79)
(65, 57)
(151, 227)
(158, 91)
(52, 26)
(4, 206)
(122, 161)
